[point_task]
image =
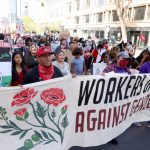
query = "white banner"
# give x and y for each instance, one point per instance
(61, 113)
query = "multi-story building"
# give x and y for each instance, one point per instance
(98, 18)
(17, 9)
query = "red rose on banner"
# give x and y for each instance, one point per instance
(53, 96)
(20, 112)
(23, 97)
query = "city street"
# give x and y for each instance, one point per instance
(134, 138)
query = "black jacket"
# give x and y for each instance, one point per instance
(32, 75)
(30, 60)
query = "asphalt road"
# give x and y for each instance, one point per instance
(134, 138)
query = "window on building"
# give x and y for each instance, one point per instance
(87, 18)
(115, 16)
(101, 34)
(77, 5)
(139, 13)
(87, 3)
(100, 3)
(109, 16)
(77, 19)
(129, 13)
(69, 7)
(148, 15)
(97, 34)
(100, 17)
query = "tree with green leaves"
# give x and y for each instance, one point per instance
(29, 24)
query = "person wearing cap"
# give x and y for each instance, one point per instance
(45, 70)
(121, 64)
(61, 64)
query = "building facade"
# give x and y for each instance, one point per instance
(17, 9)
(98, 18)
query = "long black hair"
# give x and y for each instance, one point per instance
(23, 66)
(139, 58)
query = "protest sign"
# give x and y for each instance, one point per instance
(61, 113)
(64, 34)
(98, 68)
(5, 64)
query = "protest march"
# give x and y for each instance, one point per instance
(63, 92)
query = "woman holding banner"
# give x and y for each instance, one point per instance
(119, 67)
(18, 68)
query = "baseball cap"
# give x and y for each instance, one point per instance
(124, 54)
(44, 50)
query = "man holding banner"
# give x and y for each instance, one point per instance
(45, 70)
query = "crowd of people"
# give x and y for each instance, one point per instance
(35, 59)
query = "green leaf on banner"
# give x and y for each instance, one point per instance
(35, 138)
(65, 122)
(13, 124)
(26, 115)
(47, 142)
(0, 109)
(22, 148)
(23, 134)
(6, 118)
(38, 134)
(63, 110)
(19, 118)
(6, 131)
(53, 114)
(16, 133)
(51, 135)
(28, 144)
(5, 127)
(3, 110)
(40, 111)
(45, 134)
